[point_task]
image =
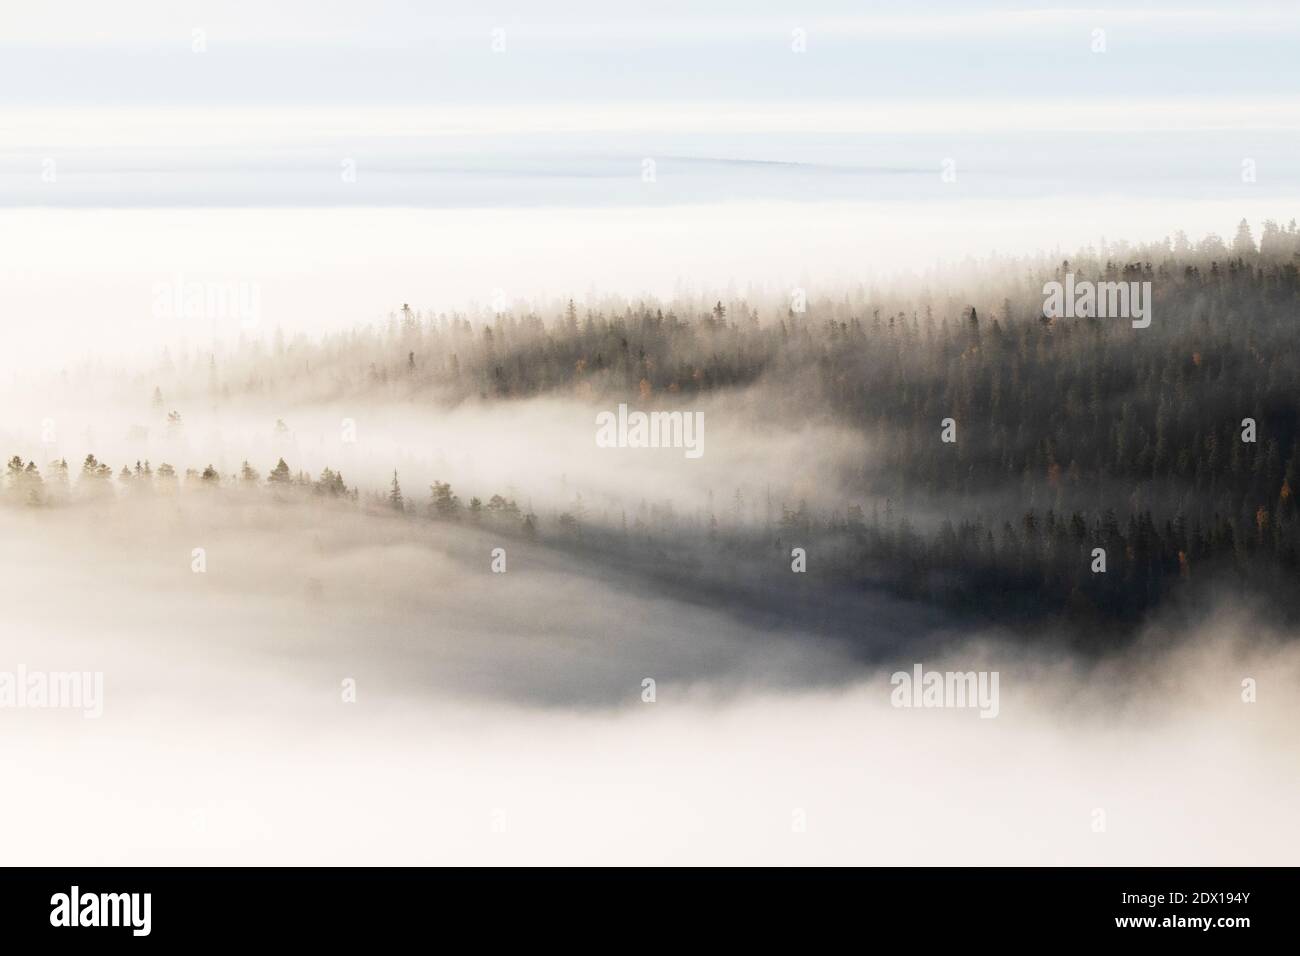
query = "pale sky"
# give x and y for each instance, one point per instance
(601, 150)
(397, 53)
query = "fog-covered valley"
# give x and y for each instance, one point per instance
(502, 717)
(385, 595)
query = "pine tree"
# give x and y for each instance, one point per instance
(443, 504)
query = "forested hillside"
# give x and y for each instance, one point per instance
(1173, 448)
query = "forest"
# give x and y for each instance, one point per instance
(1172, 451)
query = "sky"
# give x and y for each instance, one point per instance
(348, 158)
(237, 104)
(389, 52)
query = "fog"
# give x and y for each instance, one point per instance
(500, 717)
(543, 450)
(84, 279)
(298, 675)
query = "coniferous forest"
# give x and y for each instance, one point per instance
(1021, 469)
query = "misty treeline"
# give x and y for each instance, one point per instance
(96, 481)
(1071, 435)
(611, 347)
